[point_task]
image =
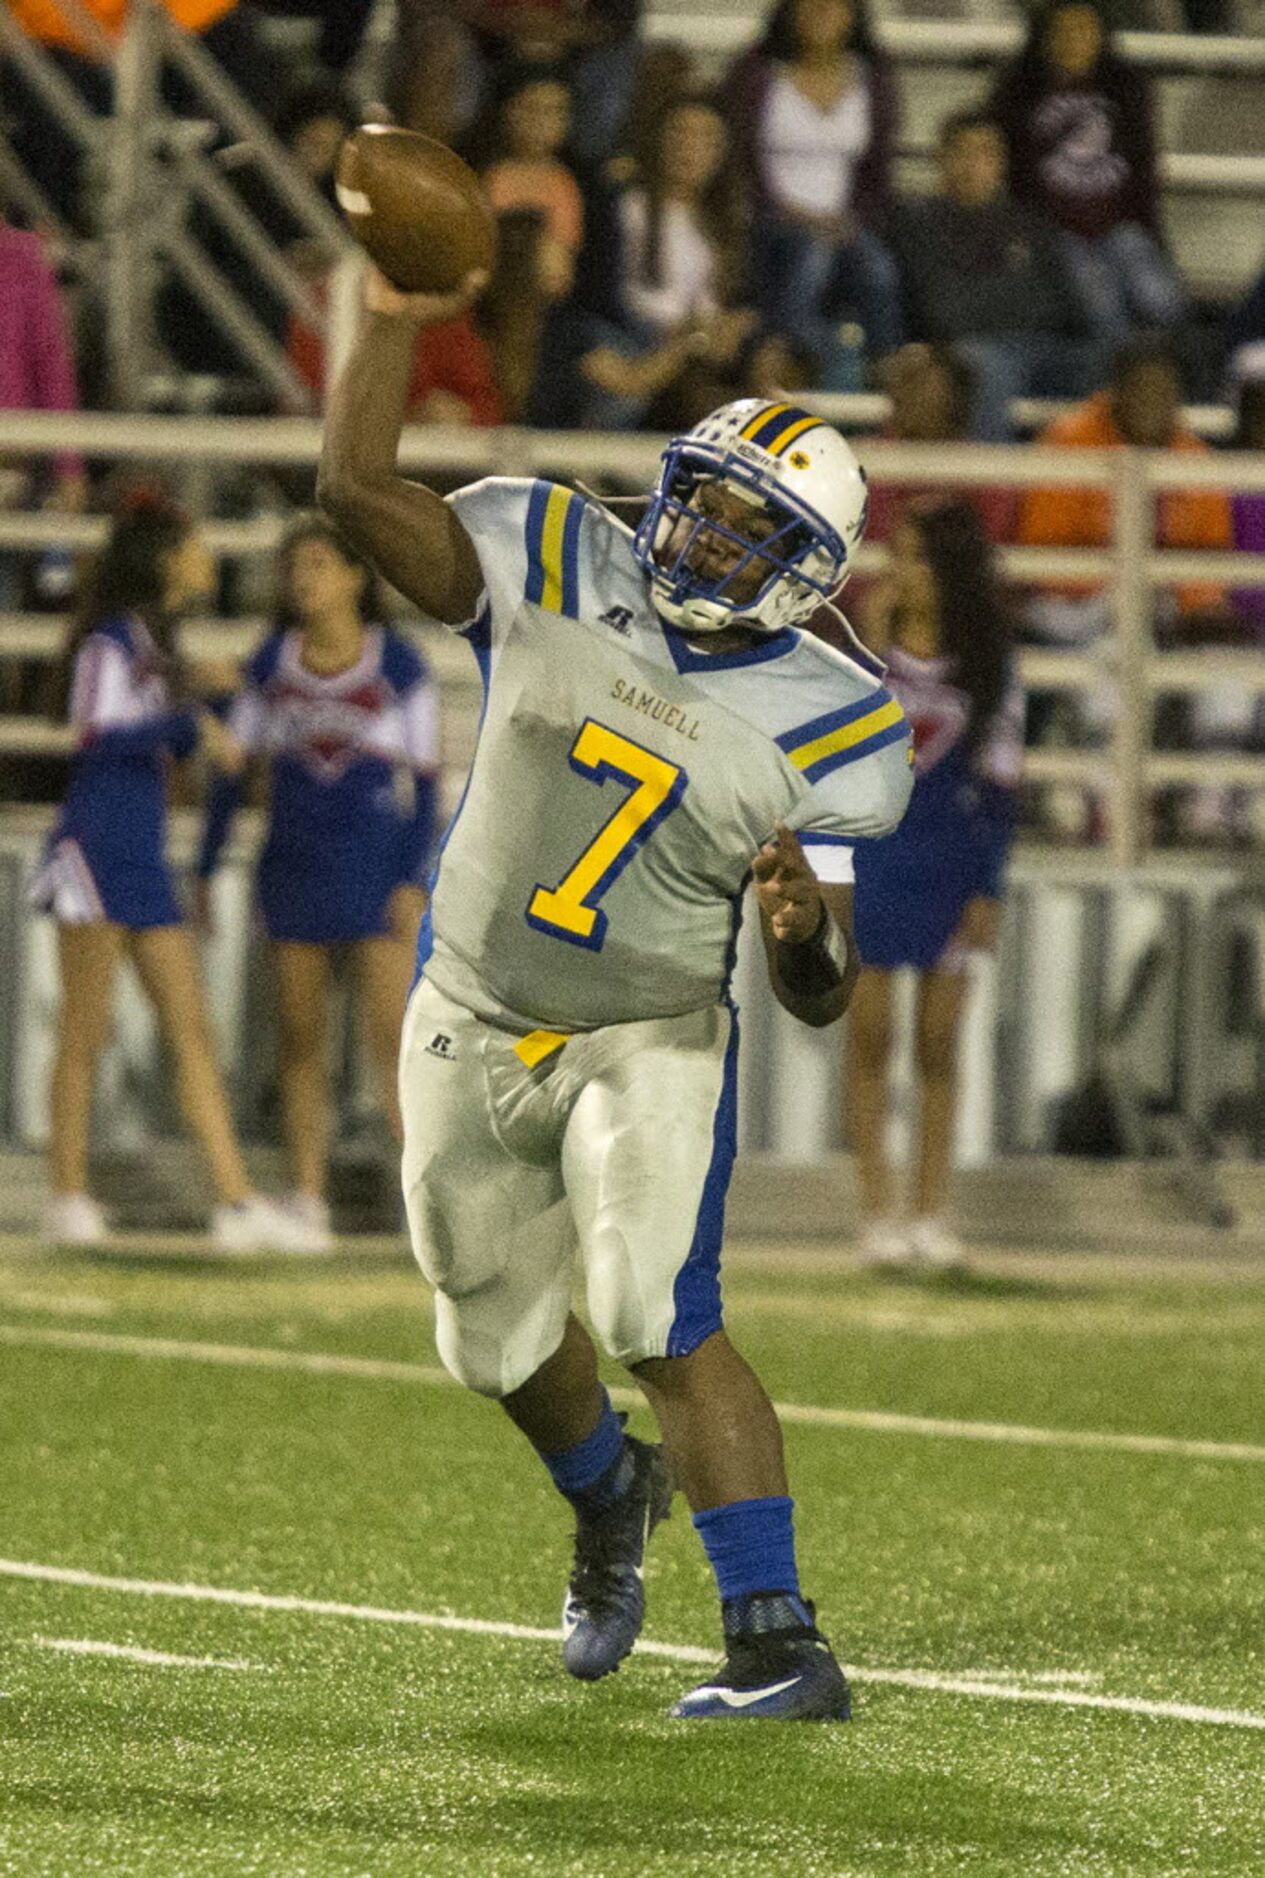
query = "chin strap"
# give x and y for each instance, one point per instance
(870, 660)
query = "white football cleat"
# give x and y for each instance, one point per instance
(933, 1245)
(74, 1219)
(884, 1242)
(259, 1225)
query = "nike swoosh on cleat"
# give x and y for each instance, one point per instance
(743, 1698)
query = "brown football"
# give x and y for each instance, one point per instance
(415, 208)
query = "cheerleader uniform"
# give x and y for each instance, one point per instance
(913, 885)
(339, 842)
(106, 858)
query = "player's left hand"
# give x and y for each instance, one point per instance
(786, 887)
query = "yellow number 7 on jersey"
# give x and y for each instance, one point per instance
(569, 911)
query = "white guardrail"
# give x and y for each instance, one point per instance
(1127, 769)
(723, 30)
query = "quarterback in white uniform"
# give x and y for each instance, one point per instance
(657, 733)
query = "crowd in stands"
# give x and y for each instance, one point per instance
(663, 247)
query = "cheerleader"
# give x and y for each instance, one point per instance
(345, 711)
(928, 896)
(105, 877)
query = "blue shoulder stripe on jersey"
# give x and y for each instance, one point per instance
(552, 531)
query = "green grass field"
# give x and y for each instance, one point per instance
(1056, 1644)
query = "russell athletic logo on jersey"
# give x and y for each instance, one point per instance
(441, 1044)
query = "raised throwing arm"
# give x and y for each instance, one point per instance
(407, 531)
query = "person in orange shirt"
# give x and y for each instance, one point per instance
(1142, 407)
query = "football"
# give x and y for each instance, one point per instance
(417, 210)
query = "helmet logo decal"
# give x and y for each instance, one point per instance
(799, 459)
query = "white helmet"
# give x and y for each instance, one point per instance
(788, 464)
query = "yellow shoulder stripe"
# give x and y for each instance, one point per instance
(850, 734)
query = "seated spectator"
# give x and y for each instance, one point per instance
(678, 226)
(592, 43)
(37, 373)
(448, 53)
(984, 275)
(1077, 124)
(931, 391)
(653, 333)
(812, 114)
(535, 118)
(1141, 407)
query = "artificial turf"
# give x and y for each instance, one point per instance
(353, 1746)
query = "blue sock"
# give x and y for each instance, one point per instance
(751, 1548)
(592, 1474)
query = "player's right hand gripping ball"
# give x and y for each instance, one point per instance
(418, 211)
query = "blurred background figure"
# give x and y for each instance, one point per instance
(449, 58)
(656, 333)
(1141, 407)
(928, 896)
(339, 705)
(534, 122)
(37, 373)
(984, 274)
(931, 391)
(1077, 122)
(812, 114)
(106, 880)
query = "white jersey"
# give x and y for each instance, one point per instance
(624, 781)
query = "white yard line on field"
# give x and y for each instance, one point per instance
(675, 1652)
(133, 1653)
(796, 1414)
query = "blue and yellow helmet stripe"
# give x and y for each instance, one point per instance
(554, 515)
(825, 744)
(777, 427)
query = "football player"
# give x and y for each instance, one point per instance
(656, 732)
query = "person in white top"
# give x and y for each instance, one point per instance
(677, 239)
(812, 115)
